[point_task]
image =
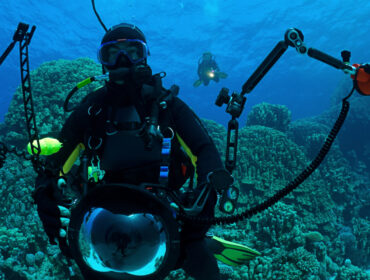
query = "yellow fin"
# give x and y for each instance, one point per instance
(231, 253)
(197, 83)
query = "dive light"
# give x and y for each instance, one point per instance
(211, 74)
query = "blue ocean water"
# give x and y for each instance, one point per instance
(239, 33)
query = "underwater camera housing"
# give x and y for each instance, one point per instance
(122, 231)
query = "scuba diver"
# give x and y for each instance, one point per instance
(208, 70)
(114, 127)
(117, 128)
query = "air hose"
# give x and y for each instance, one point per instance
(289, 188)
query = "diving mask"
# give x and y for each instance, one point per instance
(133, 49)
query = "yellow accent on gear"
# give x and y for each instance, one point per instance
(228, 206)
(84, 83)
(197, 83)
(92, 174)
(192, 157)
(221, 258)
(48, 146)
(72, 159)
(222, 75)
(233, 253)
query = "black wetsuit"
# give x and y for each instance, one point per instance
(118, 104)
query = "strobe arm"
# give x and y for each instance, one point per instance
(332, 61)
(294, 38)
(264, 67)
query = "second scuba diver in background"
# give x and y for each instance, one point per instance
(208, 70)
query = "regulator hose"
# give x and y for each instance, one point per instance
(97, 15)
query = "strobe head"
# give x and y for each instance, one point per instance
(346, 55)
(223, 97)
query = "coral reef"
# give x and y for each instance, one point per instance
(350, 272)
(51, 83)
(309, 135)
(266, 154)
(353, 139)
(24, 248)
(319, 231)
(218, 134)
(270, 115)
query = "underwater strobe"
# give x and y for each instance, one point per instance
(360, 73)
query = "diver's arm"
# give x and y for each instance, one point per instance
(51, 209)
(192, 131)
(214, 65)
(71, 137)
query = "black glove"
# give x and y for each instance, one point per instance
(48, 211)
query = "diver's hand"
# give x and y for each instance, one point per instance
(54, 217)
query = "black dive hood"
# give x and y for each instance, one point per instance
(121, 231)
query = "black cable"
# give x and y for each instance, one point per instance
(97, 15)
(350, 94)
(289, 188)
(66, 101)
